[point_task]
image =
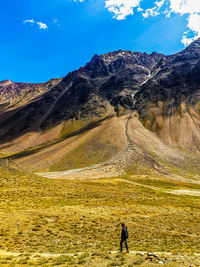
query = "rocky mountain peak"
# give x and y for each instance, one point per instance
(192, 52)
(120, 61)
(194, 45)
(5, 82)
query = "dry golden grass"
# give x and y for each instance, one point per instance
(70, 223)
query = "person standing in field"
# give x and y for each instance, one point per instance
(124, 237)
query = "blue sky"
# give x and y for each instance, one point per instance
(46, 39)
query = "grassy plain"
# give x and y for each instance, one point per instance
(52, 222)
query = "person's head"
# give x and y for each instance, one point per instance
(122, 225)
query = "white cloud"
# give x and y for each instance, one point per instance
(121, 8)
(181, 7)
(32, 21)
(194, 23)
(139, 9)
(185, 6)
(41, 25)
(194, 29)
(154, 11)
(191, 8)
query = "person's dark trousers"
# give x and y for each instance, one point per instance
(121, 245)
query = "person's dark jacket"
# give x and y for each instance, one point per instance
(124, 233)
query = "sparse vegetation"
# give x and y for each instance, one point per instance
(59, 222)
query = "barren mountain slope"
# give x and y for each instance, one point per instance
(14, 96)
(123, 108)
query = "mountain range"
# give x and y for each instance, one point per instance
(135, 111)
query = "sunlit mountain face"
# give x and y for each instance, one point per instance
(123, 100)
